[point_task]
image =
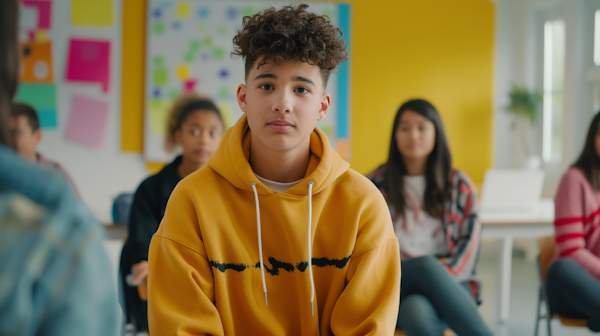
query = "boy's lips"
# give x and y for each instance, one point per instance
(280, 125)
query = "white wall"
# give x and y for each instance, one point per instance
(518, 60)
(100, 175)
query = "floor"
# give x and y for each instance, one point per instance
(524, 293)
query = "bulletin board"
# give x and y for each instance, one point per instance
(70, 66)
(189, 44)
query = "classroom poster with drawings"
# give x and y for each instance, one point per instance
(189, 45)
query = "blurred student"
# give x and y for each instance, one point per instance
(25, 127)
(277, 235)
(55, 276)
(196, 125)
(573, 279)
(434, 213)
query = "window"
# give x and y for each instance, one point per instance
(553, 84)
(597, 38)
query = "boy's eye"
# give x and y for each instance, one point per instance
(196, 132)
(213, 134)
(266, 87)
(302, 90)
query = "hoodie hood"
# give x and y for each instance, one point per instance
(231, 161)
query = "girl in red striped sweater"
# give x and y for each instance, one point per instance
(573, 282)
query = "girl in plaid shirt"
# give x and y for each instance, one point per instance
(434, 211)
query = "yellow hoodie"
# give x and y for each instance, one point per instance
(206, 275)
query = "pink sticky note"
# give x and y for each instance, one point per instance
(89, 61)
(190, 85)
(88, 121)
(44, 8)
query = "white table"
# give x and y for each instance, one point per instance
(507, 226)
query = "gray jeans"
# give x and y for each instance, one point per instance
(573, 292)
(431, 301)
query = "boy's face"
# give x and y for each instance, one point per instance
(25, 138)
(283, 103)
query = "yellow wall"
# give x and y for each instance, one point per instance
(441, 51)
(438, 50)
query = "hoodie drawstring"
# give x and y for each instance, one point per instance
(262, 266)
(312, 281)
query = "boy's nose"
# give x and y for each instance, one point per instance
(282, 103)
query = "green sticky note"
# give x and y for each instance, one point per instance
(248, 11)
(328, 130)
(160, 76)
(223, 31)
(194, 45)
(328, 12)
(219, 53)
(158, 61)
(202, 27)
(208, 42)
(189, 57)
(159, 28)
(43, 99)
(173, 94)
(224, 92)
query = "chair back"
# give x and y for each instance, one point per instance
(122, 209)
(546, 245)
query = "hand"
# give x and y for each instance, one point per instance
(140, 272)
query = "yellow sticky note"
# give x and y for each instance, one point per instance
(183, 10)
(227, 113)
(183, 72)
(92, 13)
(158, 116)
(41, 36)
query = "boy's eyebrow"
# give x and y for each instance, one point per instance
(265, 76)
(303, 79)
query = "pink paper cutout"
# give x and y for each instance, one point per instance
(89, 61)
(190, 85)
(44, 8)
(88, 121)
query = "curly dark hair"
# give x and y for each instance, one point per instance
(290, 33)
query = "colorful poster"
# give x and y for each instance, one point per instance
(43, 99)
(89, 61)
(36, 62)
(88, 121)
(189, 45)
(92, 13)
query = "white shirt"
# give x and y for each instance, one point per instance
(418, 233)
(277, 186)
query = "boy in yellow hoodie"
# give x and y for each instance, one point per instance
(277, 235)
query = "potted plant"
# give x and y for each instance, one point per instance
(525, 108)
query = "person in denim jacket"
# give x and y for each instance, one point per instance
(55, 276)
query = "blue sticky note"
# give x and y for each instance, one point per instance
(157, 13)
(203, 12)
(232, 13)
(223, 73)
(43, 99)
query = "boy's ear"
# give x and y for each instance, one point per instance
(241, 97)
(325, 105)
